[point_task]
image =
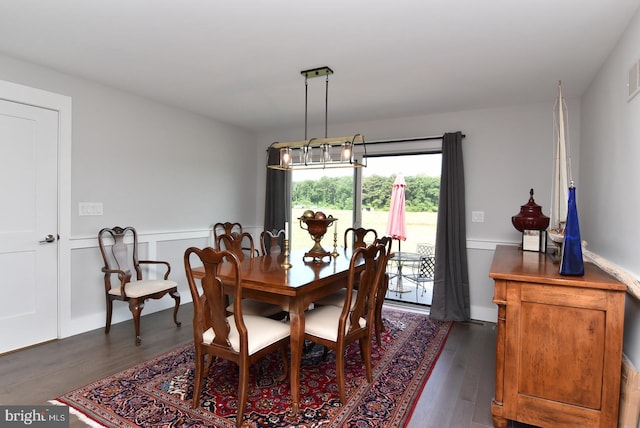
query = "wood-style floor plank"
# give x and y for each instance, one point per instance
(458, 393)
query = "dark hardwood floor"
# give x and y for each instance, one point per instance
(458, 393)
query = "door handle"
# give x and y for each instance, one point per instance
(47, 239)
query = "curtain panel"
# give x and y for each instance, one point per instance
(277, 205)
(451, 279)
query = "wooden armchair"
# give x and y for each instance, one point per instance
(119, 262)
(240, 338)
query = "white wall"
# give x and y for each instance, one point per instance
(149, 164)
(168, 172)
(507, 151)
(610, 152)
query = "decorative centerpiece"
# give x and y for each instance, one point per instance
(532, 223)
(316, 223)
(530, 216)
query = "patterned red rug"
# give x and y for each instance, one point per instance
(158, 393)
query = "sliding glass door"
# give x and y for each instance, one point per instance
(330, 191)
(361, 197)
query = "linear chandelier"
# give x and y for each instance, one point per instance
(316, 153)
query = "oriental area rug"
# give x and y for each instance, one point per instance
(158, 393)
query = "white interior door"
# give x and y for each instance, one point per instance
(29, 195)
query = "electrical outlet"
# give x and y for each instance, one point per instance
(477, 216)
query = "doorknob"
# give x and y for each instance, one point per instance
(47, 239)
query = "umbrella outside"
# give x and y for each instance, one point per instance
(397, 224)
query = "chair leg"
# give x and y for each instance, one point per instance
(198, 378)
(243, 387)
(176, 297)
(325, 352)
(107, 327)
(285, 364)
(365, 345)
(340, 376)
(136, 306)
(378, 324)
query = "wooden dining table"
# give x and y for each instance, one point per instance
(263, 278)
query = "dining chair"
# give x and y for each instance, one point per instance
(423, 271)
(353, 238)
(242, 246)
(225, 228)
(119, 249)
(381, 292)
(239, 243)
(336, 327)
(240, 338)
(358, 237)
(337, 298)
(272, 242)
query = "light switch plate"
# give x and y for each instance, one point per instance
(90, 208)
(477, 216)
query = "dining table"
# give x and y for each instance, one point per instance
(294, 288)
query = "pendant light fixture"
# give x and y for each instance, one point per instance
(315, 153)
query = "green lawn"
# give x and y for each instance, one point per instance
(421, 228)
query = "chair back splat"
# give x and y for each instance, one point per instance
(359, 237)
(225, 228)
(240, 244)
(272, 242)
(119, 249)
(242, 339)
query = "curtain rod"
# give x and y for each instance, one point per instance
(407, 140)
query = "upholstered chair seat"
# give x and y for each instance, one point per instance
(143, 287)
(323, 322)
(262, 332)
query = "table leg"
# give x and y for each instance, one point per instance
(296, 314)
(399, 288)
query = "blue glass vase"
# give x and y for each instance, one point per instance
(571, 262)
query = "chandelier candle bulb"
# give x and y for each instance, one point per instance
(286, 230)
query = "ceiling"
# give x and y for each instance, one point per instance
(240, 61)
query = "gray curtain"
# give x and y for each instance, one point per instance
(277, 204)
(451, 284)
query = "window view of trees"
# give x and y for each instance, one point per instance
(337, 193)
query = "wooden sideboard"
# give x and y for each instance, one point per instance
(558, 344)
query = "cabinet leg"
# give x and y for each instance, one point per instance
(499, 422)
